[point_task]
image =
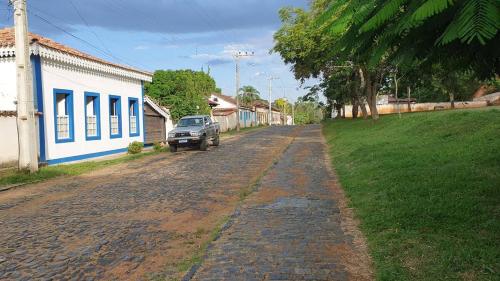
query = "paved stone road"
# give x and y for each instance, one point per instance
(124, 222)
(291, 228)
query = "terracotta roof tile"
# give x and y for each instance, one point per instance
(226, 98)
(7, 39)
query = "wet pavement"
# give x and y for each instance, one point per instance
(136, 221)
(291, 228)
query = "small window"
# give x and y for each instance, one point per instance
(115, 117)
(133, 110)
(92, 116)
(63, 115)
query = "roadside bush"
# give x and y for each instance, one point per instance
(157, 147)
(135, 147)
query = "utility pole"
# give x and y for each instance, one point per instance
(271, 78)
(28, 151)
(285, 118)
(237, 58)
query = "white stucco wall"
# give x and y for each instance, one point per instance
(57, 76)
(8, 142)
(7, 84)
(223, 104)
(169, 124)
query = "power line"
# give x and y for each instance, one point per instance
(79, 39)
(88, 26)
(147, 17)
(214, 19)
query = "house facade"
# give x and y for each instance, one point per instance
(87, 107)
(225, 113)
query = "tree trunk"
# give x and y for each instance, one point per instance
(355, 107)
(373, 101)
(408, 89)
(343, 111)
(371, 94)
(362, 102)
(452, 100)
(363, 109)
(338, 108)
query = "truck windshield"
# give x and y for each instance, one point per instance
(189, 122)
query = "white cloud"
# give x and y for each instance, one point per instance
(141, 48)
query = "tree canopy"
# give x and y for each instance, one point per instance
(359, 47)
(184, 91)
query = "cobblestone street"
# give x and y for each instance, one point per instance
(291, 228)
(130, 222)
(141, 220)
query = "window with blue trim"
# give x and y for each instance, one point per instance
(115, 117)
(63, 116)
(92, 116)
(133, 111)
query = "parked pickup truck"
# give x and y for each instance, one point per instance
(194, 131)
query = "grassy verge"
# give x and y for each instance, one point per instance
(427, 191)
(12, 177)
(197, 257)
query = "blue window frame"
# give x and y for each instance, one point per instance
(64, 121)
(133, 113)
(92, 116)
(115, 117)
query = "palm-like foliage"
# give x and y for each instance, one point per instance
(404, 31)
(477, 19)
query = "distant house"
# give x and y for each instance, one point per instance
(261, 112)
(87, 107)
(225, 113)
(157, 122)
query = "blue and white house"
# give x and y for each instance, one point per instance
(87, 107)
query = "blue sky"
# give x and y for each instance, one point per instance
(173, 34)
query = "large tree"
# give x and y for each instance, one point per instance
(377, 38)
(184, 91)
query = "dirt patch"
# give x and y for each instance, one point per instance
(357, 260)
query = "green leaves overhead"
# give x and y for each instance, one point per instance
(387, 11)
(477, 20)
(430, 8)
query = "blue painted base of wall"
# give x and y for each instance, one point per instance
(85, 156)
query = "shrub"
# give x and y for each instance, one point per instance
(135, 147)
(157, 147)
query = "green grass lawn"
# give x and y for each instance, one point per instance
(12, 176)
(426, 189)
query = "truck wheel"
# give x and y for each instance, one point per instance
(173, 148)
(216, 141)
(204, 145)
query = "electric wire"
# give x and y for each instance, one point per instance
(80, 15)
(79, 39)
(146, 17)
